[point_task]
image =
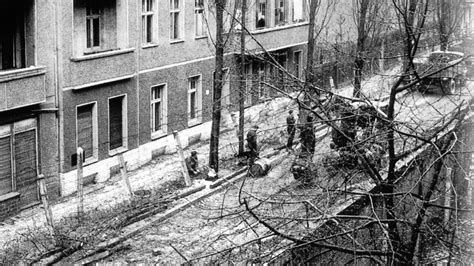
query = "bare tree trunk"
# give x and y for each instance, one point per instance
(409, 31)
(361, 37)
(243, 85)
(311, 41)
(216, 106)
(309, 75)
(442, 24)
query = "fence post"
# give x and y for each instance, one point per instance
(44, 199)
(80, 183)
(235, 124)
(184, 169)
(123, 172)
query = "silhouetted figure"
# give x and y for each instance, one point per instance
(291, 129)
(252, 144)
(308, 140)
(192, 164)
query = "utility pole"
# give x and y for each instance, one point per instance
(243, 84)
(216, 106)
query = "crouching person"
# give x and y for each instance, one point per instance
(192, 164)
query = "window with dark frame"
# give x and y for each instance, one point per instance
(6, 180)
(298, 63)
(199, 18)
(281, 7)
(18, 161)
(147, 21)
(85, 129)
(261, 19)
(93, 25)
(193, 90)
(12, 36)
(116, 122)
(157, 107)
(175, 24)
(298, 10)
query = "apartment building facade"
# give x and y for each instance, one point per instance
(118, 77)
(28, 104)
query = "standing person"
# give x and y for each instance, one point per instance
(192, 164)
(308, 140)
(252, 144)
(291, 129)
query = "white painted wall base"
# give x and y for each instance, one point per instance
(135, 158)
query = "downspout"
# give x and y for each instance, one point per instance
(137, 71)
(59, 94)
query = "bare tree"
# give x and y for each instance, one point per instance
(217, 92)
(368, 21)
(242, 78)
(449, 16)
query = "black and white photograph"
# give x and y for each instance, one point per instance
(236, 132)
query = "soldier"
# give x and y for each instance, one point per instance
(192, 164)
(291, 129)
(252, 144)
(308, 140)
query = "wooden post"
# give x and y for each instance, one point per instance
(235, 124)
(184, 169)
(447, 197)
(44, 199)
(80, 183)
(123, 172)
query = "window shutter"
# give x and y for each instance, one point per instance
(84, 129)
(5, 166)
(25, 166)
(115, 123)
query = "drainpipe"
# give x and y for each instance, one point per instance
(58, 92)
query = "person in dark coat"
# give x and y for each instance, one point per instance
(192, 164)
(252, 144)
(291, 129)
(308, 140)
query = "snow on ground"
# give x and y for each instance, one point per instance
(152, 175)
(270, 116)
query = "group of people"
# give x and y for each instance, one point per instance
(307, 140)
(307, 137)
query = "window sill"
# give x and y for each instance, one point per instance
(288, 26)
(176, 41)
(9, 196)
(13, 74)
(103, 54)
(118, 151)
(200, 37)
(91, 160)
(149, 45)
(158, 134)
(194, 122)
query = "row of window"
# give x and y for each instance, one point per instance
(257, 74)
(99, 29)
(87, 124)
(101, 25)
(284, 12)
(98, 25)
